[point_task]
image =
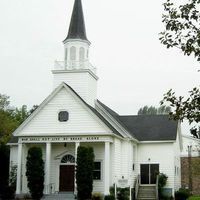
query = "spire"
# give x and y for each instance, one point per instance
(77, 24)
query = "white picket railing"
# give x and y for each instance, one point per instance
(73, 65)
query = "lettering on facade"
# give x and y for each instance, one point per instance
(59, 139)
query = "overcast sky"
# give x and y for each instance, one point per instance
(134, 69)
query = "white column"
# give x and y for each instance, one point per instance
(19, 169)
(48, 167)
(107, 168)
(77, 144)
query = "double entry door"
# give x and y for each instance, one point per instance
(148, 173)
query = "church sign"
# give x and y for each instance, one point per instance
(123, 183)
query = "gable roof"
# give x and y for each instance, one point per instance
(151, 127)
(116, 117)
(95, 112)
(50, 97)
(146, 127)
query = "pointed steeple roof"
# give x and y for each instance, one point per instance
(77, 24)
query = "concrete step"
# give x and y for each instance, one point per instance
(59, 196)
(146, 198)
(146, 193)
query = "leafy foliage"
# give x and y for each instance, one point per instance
(84, 172)
(13, 176)
(182, 28)
(97, 196)
(154, 111)
(162, 181)
(109, 197)
(188, 108)
(123, 193)
(11, 117)
(182, 194)
(35, 172)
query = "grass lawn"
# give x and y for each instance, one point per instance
(194, 198)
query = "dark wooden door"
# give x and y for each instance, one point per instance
(154, 171)
(148, 173)
(67, 178)
(144, 173)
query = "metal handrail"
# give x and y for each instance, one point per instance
(137, 184)
(157, 179)
(50, 188)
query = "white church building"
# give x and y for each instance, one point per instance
(125, 147)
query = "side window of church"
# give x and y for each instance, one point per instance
(97, 171)
(63, 116)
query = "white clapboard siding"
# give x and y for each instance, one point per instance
(82, 82)
(13, 155)
(177, 164)
(81, 119)
(161, 153)
(116, 164)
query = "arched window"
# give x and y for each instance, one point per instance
(68, 159)
(81, 54)
(66, 54)
(73, 53)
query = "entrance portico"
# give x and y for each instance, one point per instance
(59, 154)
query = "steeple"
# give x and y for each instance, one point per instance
(77, 24)
(76, 70)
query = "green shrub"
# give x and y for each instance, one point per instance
(123, 193)
(162, 181)
(109, 197)
(13, 176)
(8, 193)
(35, 172)
(97, 196)
(182, 194)
(84, 172)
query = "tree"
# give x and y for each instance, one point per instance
(182, 30)
(84, 172)
(154, 111)
(188, 108)
(10, 119)
(182, 27)
(35, 172)
(4, 101)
